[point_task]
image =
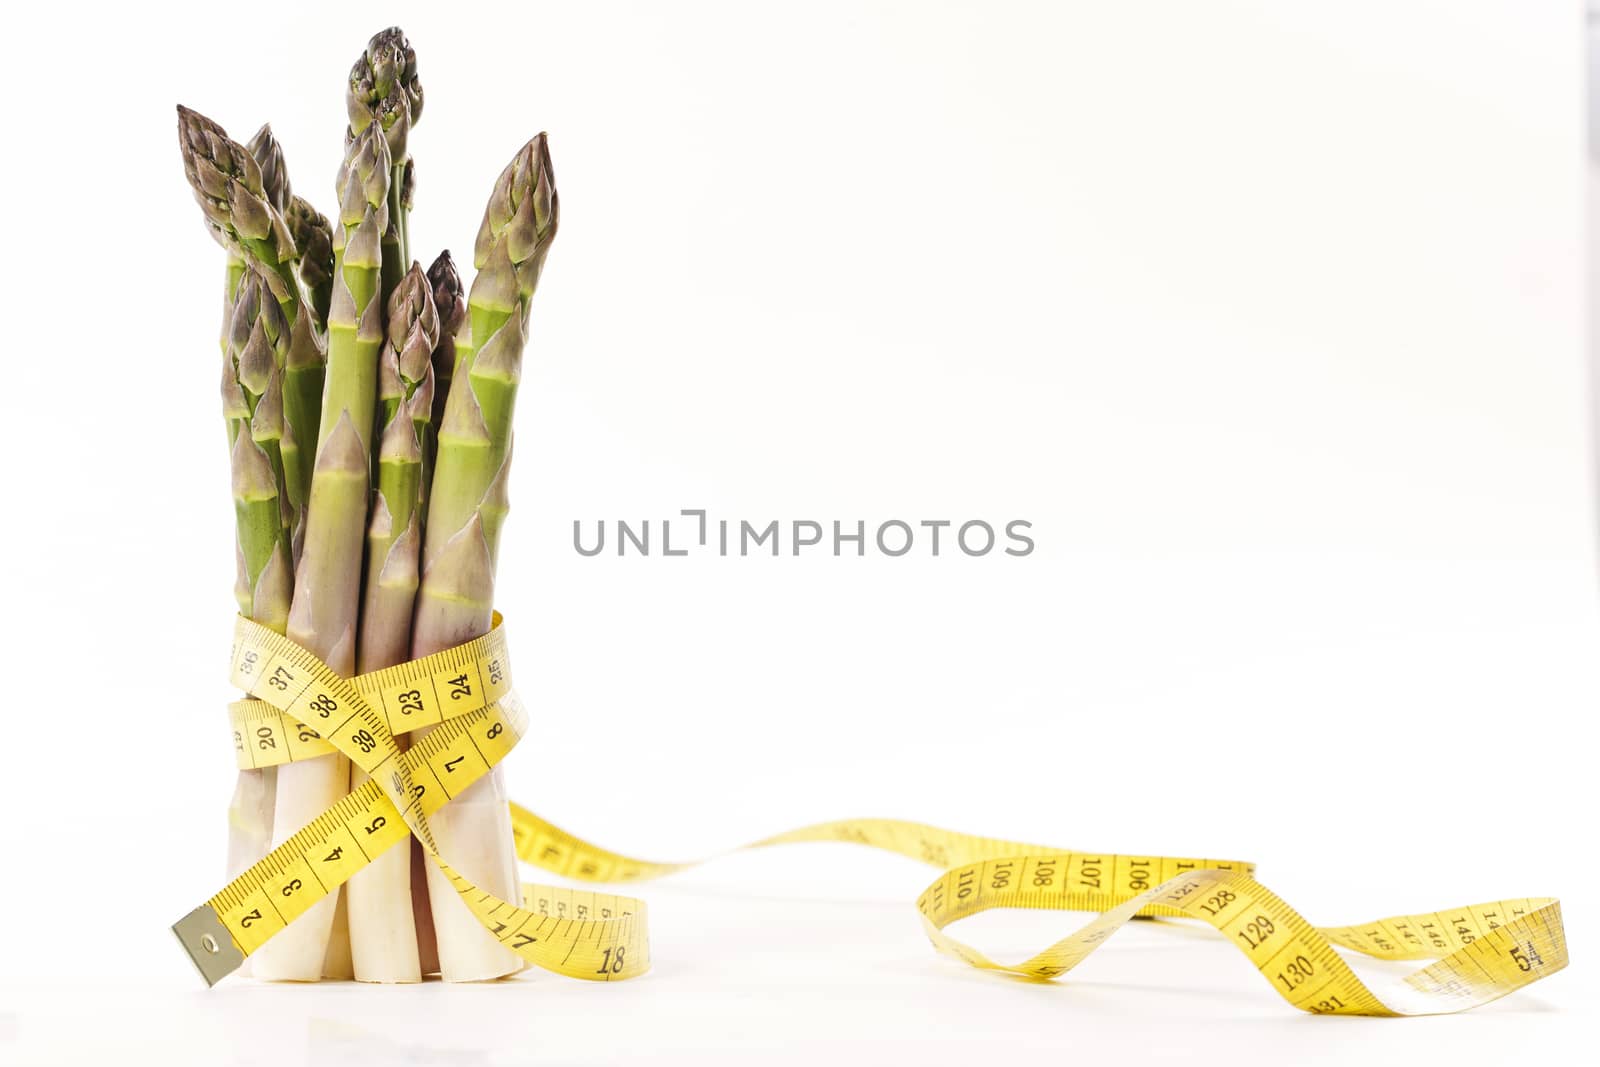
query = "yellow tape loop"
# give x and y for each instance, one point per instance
(1483, 951)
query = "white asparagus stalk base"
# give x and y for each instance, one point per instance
(421, 910)
(250, 824)
(250, 819)
(473, 831)
(474, 836)
(305, 790)
(383, 934)
(336, 963)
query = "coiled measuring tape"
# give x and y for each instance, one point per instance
(303, 709)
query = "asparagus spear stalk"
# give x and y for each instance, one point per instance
(250, 808)
(227, 184)
(313, 241)
(305, 365)
(394, 536)
(450, 299)
(251, 397)
(255, 792)
(322, 619)
(384, 90)
(268, 154)
(385, 93)
(326, 602)
(307, 369)
(258, 341)
(475, 431)
(466, 507)
(421, 862)
(297, 452)
(244, 199)
(197, 133)
(239, 189)
(383, 939)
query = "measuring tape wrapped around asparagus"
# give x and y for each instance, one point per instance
(368, 511)
(462, 696)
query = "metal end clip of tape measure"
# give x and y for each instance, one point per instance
(302, 709)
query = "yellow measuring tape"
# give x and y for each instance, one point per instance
(302, 709)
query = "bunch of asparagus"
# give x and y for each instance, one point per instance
(369, 413)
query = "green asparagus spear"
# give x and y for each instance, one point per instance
(394, 535)
(305, 365)
(466, 506)
(475, 432)
(384, 90)
(450, 299)
(244, 193)
(253, 404)
(383, 943)
(263, 585)
(268, 155)
(327, 589)
(227, 184)
(313, 241)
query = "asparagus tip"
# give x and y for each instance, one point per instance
(313, 241)
(364, 177)
(226, 181)
(268, 154)
(384, 89)
(523, 209)
(413, 326)
(449, 295)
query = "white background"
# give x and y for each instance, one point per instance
(1267, 315)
